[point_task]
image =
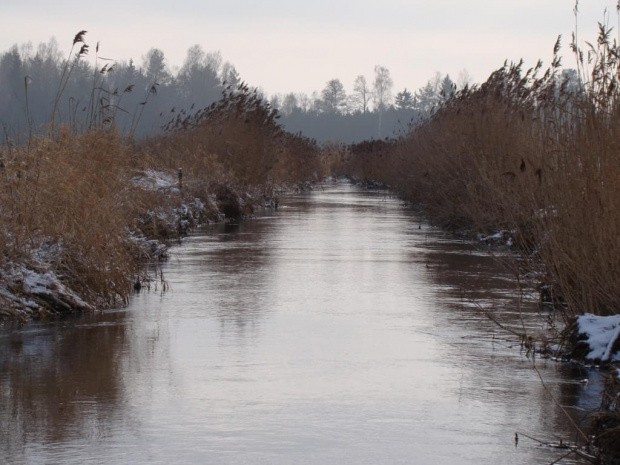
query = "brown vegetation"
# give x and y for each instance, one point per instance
(535, 155)
(239, 136)
(79, 206)
(70, 200)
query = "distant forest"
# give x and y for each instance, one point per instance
(36, 82)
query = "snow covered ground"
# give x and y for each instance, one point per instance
(26, 292)
(602, 335)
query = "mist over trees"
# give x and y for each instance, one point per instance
(370, 111)
(140, 98)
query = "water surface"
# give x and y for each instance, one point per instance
(338, 330)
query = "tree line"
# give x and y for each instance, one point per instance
(370, 111)
(39, 83)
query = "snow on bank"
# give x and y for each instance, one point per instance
(602, 335)
(157, 181)
(500, 237)
(25, 292)
(33, 284)
(190, 213)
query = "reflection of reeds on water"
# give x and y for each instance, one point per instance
(61, 386)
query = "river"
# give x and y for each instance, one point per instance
(341, 329)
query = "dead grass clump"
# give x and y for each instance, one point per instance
(606, 423)
(365, 160)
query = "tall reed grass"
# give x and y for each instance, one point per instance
(533, 152)
(242, 135)
(71, 201)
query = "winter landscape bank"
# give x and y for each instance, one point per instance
(85, 212)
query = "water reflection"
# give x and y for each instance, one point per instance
(469, 280)
(60, 381)
(333, 331)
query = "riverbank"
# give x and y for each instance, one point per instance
(532, 152)
(37, 284)
(84, 214)
(529, 158)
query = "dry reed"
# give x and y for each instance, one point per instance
(532, 153)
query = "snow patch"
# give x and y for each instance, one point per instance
(156, 180)
(29, 290)
(601, 334)
(504, 236)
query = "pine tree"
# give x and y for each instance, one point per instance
(404, 100)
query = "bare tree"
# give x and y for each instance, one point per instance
(382, 93)
(315, 102)
(275, 101)
(213, 60)
(304, 101)
(289, 104)
(197, 80)
(362, 94)
(382, 88)
(195, 58)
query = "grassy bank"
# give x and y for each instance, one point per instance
(82, 214)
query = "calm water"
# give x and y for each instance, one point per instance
(335, 331)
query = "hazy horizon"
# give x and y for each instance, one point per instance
(283, 47)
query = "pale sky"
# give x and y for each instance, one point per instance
(291, 46)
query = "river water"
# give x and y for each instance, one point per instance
(339, 330)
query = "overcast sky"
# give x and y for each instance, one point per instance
(292, 46)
